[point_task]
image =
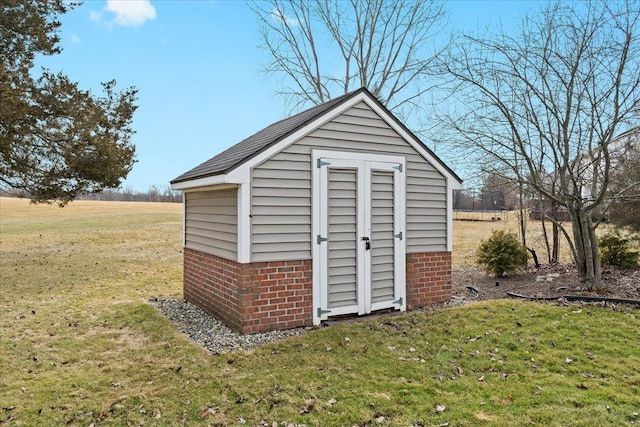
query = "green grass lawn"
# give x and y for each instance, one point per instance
(79, 344)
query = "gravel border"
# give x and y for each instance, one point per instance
(212, 334)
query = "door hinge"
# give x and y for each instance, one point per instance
(398, 167)
(322, 163)
(398, 236)
(320, 239)
(321, 312)
(398, 301)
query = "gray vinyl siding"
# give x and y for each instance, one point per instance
(281, 188)
(342, 238)
(211, 222)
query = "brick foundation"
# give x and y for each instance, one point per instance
(428, 278)
(262, 296)
(251, 297)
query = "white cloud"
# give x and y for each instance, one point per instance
(131, 13)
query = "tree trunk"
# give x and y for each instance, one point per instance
(543, 215)
(587, 252)
(555, 255)
(521, 217)
(555, 234)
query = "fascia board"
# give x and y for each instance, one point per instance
(207, 181)
(210, 188)
(245, 168)
(451, 180)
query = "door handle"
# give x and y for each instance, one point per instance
(367, 243)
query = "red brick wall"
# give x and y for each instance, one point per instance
(428, 278)
(250, 297)
(263, 296)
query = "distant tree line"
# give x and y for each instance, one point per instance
(155, 193)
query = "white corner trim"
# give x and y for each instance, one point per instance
(316, 215)
(449, 217)
(244, 223)
(184, 220)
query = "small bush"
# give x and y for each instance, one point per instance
(616, 250)
(501, 253)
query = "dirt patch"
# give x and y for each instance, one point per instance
(129, 338)
(544, 282)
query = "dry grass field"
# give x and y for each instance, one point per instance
(81, 346)
(471, 228)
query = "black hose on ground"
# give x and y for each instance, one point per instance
(578, 298)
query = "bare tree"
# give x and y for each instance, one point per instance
(325, 48)
(154, 194)
(546, 102)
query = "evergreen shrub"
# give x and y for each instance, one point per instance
(615, 249)
(501, 254)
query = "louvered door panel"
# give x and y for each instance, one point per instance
(382, 237)
(342, 238)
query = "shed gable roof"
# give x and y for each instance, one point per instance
(250, 147)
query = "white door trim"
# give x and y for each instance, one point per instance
(364, 163)
(399, 222)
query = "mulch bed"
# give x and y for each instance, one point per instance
(544, 282)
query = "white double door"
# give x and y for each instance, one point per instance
(359, 230)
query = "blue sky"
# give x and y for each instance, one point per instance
(197, 67)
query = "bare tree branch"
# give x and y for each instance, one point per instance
(381, 45)
(547, 103)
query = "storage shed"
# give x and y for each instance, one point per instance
(337, 210)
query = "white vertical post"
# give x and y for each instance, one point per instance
(244, 223)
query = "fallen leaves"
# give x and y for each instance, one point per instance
(309, 404)
(411, 359)
(506, 400)
(379, 416)
(210, 411)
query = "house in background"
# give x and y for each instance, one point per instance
(336, 210)
(592, 164)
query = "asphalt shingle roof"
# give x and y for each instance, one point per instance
(233, 156)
